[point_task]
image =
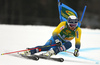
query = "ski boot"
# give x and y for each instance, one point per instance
(26, 53)
(49, 53)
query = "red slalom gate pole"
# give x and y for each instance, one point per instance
(26, 49)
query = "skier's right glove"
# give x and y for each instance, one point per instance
(76, 52)
(58, 42)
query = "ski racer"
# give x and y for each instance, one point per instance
(61, 36)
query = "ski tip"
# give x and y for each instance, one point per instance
(2, 54)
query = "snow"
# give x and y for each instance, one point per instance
(18, 37)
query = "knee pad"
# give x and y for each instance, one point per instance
(68, 45)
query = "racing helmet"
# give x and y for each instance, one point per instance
(72, 21)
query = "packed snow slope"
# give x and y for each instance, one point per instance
(17, 37)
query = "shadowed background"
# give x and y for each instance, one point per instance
(45, 12)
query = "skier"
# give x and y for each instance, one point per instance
(61, 36)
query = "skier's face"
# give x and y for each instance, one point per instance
(72, 25)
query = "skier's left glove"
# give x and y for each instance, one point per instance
(58, 42)
(76, 52)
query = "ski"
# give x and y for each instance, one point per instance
(33, 57)
(37, 57)
(50, 58)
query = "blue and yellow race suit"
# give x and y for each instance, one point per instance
(65, 35)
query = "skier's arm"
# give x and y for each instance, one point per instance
(77, 42)
(55, 33)
(58, 29)
(77, 38)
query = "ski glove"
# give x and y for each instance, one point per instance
(76, 54)
(58, 42)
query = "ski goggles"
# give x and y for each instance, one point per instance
(72, 20)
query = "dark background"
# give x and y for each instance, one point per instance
(45, 12)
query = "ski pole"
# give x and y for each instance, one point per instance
(85, 58)
(26, 49)
(69, 52)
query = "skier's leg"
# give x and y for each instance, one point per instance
(55, 50)
(64, 47)
(46, 47)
